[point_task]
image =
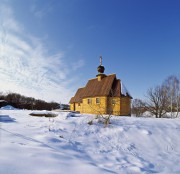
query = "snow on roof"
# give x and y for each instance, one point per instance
(124, 90)
(8, 107)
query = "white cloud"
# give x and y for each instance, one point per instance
(25, 65)
(78, 64)
(7, 21)
(42, 11)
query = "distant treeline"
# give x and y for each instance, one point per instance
(30, 103)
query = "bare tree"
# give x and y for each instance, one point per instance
(105, 119)
(157, 101)
(172, 85)
(112, 101)
(138, 107)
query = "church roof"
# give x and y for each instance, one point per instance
(78, 96)
(108, 86)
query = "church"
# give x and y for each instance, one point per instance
(103, 94)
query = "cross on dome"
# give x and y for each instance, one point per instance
(100, 68)
(100, 60)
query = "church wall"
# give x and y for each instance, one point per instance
(72, 106)
(113, 106)
(93, 107)
(78, 107)
(125, 106)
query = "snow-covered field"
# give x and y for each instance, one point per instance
(68, 145)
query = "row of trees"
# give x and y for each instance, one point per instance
(160, 100)
(23, 102)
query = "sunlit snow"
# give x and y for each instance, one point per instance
(67, 144)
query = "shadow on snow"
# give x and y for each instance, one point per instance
(6, 119)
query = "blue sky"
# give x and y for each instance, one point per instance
(49, 48)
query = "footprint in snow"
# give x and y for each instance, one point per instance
(18, 143)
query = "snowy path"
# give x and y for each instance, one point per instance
(69, 145)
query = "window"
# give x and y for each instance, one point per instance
(89, 101)
(97, 100)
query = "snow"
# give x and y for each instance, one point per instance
(8, 107)
(124, 90)
(44, 113)
(67, 144)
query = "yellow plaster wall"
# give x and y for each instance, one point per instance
(122, 106)
(94, 108)
(75, 107)
(72, 106)
(78, 107)
(113, 108)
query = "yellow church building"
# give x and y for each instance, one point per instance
(102, 95)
